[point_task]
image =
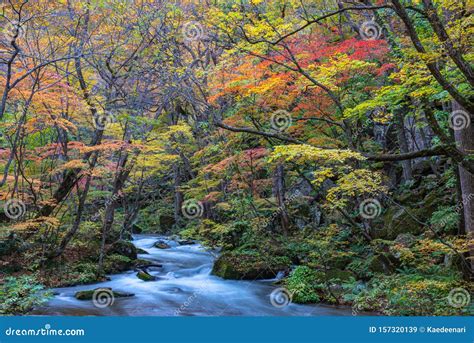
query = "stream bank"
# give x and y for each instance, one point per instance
(183, 286)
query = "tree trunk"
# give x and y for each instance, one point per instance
(120, 177)
(279, 194)
(465, 142)
(402, 142)
(178, 195)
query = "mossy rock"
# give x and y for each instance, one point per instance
(380, 263)
(145, 276)
(117, 263)
(166, 223)
(249, 266)
(406, 240)
(162, 245)
(89, 295)
(116, 235)
(124, 248)
(396, 221)
(418, 205)
(141, 251)
(142, 262)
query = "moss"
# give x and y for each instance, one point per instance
(89, 294)
(380, 263)
(124, 248)
(145, 276)
(414, 295)
(141, 251)
(117, 263)
(249, 265)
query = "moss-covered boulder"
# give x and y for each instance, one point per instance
(380, 263)
(162, 245)
(89, 294)
(249, 266)
(407, 240)
(117, 263)
(166, 223)
(396, 221)
(145, 276)
(124, 248)
(414, 207)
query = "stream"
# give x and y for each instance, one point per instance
(184, 287)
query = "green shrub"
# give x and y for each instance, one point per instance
(19, 295)
(303, 285)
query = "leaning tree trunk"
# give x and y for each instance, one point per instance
(465, 142)
(109, 215)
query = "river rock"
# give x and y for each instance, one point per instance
(89, 294)
(162, 245)
(145, 276)
(238, 266)
(141, 251)
(117, 263)
(124, 248)
(185, 242)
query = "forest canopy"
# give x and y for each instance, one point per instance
(328, 140)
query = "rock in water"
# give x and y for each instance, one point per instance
(145, 276)
(141, 251)
(89, 295)
(161, 245)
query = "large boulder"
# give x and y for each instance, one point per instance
(244, 266)
(124, 248)
(414, 207)
(117, 263)
(166, 223)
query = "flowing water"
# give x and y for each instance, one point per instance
(184, 286)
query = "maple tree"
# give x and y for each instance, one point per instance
(271, 122)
